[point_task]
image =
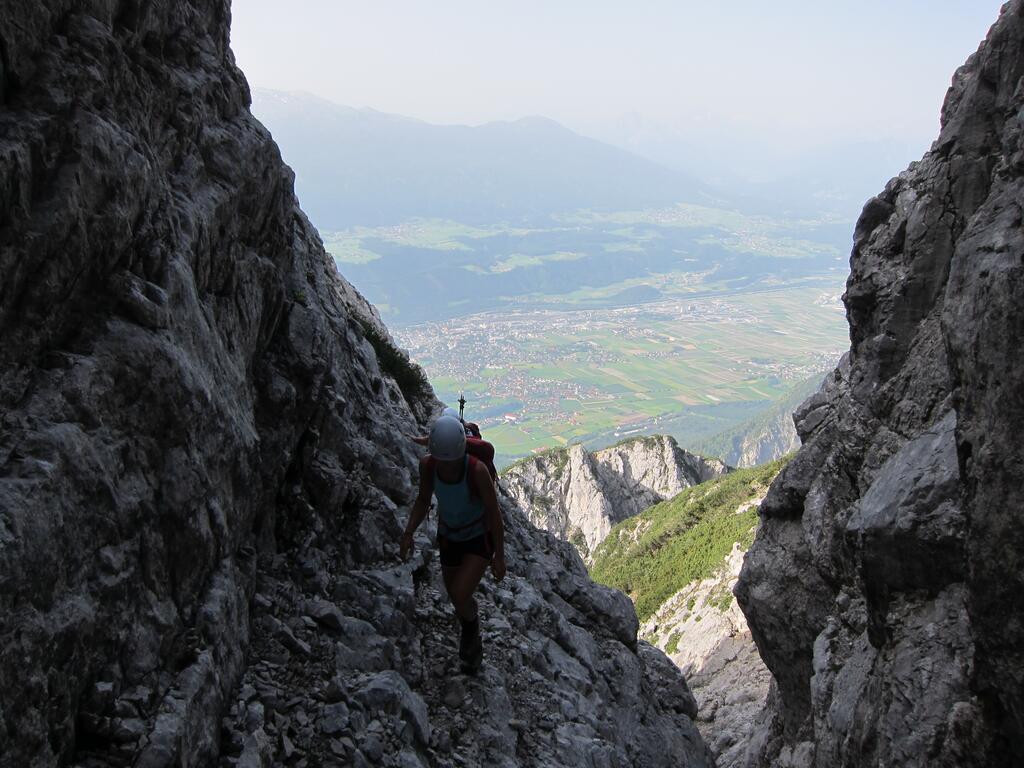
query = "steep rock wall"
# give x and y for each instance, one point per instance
(202, 463)
(579, 495)
(884, 588)
(705, 634)
(768, 436)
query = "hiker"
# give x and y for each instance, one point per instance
(475, 444)
(470, 533)
(472, 429)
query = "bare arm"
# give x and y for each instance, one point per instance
(420, 508)
(485, 487)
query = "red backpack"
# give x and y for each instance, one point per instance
(480, 449)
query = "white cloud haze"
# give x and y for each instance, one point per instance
(788, 74)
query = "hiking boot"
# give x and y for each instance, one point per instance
(470, 635)
(471, 649)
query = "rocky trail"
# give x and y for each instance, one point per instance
(381, 685)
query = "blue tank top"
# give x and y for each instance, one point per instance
(457, 508)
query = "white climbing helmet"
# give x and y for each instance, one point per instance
(449, 411)
(448, 439)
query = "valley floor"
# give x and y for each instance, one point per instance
(692, 368)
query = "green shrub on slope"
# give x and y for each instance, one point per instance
(558, 455)
(410, 377)
(653, 555)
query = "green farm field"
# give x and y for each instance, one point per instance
(432, 270)
(689, 367)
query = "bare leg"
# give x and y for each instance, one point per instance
(461, 582)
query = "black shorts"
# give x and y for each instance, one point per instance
(452, 551)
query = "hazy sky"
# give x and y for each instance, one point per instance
(802, 70)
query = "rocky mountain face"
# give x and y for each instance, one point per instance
(679, 562)
(705, 634)
(578, 495)
(884, 589)
(203, 471)
(768, 436)
(772, 440)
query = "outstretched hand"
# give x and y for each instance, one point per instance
(498, 567)
(405, 546)
(419, 439)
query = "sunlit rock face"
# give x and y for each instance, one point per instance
(705, 634)
(578, 495)
(772, 441)
(203, 462)
(884, 589)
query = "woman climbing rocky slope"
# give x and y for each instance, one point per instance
(202, 463)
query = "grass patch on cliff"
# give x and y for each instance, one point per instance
(648, 441)
(558, 457)
(684, 539)
(396, 364)
(672, 646)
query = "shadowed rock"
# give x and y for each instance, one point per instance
(884, 587)
(203, 468)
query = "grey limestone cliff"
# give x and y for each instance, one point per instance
(202, 464)
(884, 589)
(579, 495)
(705, 634)
(768, 436)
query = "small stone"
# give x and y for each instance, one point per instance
(287, 747)
(327, 614)
(247, 693)
(125, 709)
(257, 751)
(336, 691)
(101, 697)
(441, 741)
(254, 716)
(335, 718)
(127, 731)
(454, 694)
(389, 691)
(372, 748)
(409, 759)
(276, 658)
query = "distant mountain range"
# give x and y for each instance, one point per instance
(833, 175)
(359, 167)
